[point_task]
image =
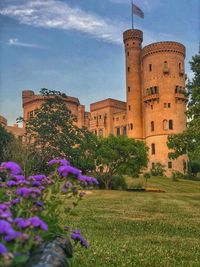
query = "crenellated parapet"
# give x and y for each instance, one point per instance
(133, 34)
(167, 46)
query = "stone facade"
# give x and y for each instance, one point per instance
(14, 129)
(155, 94)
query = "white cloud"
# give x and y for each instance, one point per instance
(16, 42)
(59, 15)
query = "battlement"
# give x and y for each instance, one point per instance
(167, 46)
(133, 34)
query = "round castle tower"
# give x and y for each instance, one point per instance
(156, 100)
(132, 42)
(164, 100)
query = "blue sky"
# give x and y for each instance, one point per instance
(75, 46)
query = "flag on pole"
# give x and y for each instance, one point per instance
(137, 11)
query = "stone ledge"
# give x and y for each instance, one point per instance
(51, 254)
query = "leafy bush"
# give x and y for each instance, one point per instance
(158, 170)
(118, 182)
(176, 175)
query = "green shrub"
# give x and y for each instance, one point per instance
(158, 170)
(118, 183)
(176, 175)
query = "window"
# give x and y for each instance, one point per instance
(151, 106)
(131, 126)
(179, 66)
(124, 130)
(153, 149)
(153, 165)
(127, 53)
(129, 88)
(95, 132)
(171, 124)
(150, 67)
(169, 105)
(165, 125)
(118, 131)
(128, 69)
(129, 107)
(165, 64)
(94, 117)
(152, 126)
(99, 116)
(169, 165)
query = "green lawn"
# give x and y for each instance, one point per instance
(140, 229)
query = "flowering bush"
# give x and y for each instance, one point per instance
(30, 206)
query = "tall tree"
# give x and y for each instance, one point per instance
(188, 142)
(119, 155)
(53, 128)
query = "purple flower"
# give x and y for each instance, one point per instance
(38, 203)
(5, 227)
(13, 167)
(36, 183)
(11, 236)
(22, 223)
(5, 214)
(18, 178)
(11, 183)
(26, 192)
(15, 201)
(88, 180)
(62, 162)
(76, 236)
(3, 249)
(66, 170)
(38, 223)
(38, 177)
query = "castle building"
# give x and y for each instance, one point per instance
(155, 100)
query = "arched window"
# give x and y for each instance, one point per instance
(165, 64)
(150, 67)
(152, 126)
(171, 124)
(165, 125)
(179, 66)
(153, 149)
(131, 126)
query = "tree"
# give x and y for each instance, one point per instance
(119, 155)
(5, 139)
(188, 142)
(53, 129)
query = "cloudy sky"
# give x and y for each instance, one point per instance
(75, 46)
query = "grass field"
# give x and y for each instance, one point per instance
(140, 229)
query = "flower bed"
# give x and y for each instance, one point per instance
(31, 206)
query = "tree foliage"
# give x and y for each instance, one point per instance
(54, 132)
(188, 142)
(119, 155)
(5, 139)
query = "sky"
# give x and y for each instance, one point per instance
(76, 46)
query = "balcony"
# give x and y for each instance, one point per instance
(166, 70)
(152, 97)
(181, 97)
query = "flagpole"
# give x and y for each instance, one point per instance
(132, 13)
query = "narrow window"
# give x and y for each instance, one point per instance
(131, 126)
(151, 106)
(127, 53)
(169, 165)
(118, 131)
(150, 67)
(165, 105)
(128, 69)
(153, 149)
(129, 88)
(129, 107)
(179, 66)
(171, 124)
(124, 130)
(153, 165)
(165, 125)
(99, 116)
(152, 126)
(169, 105)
